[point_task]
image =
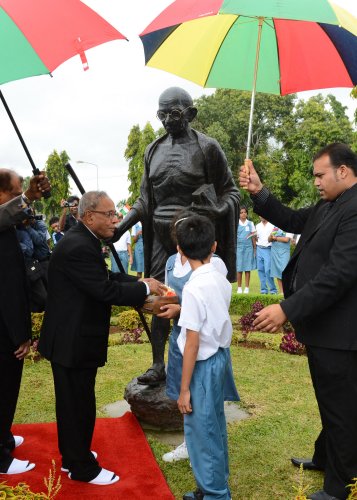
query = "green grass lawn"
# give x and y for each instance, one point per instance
(275, 389)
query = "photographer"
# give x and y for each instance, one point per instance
(15, 319)
(32, 236)
(69, 218)
(57, 233)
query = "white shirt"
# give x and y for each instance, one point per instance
(181, 270)
(205, 309)
(247, 224)
(263, 232)
(122, 244)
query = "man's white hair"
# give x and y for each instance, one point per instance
(90, 201)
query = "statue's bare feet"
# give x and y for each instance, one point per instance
(153, 376)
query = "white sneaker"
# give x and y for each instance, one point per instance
(246, 290)
(180, 453)
(239, 289)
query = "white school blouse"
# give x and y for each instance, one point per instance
(205, 308)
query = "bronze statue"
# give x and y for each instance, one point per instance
(183, 169)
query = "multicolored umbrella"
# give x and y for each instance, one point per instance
(36, 36)
(273, 46)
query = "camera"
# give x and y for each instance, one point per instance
(69, 205)
(39, 217)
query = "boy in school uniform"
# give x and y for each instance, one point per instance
(204, 340)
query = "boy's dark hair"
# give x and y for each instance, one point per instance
(195, 235)
(53, 220)
(340, 154)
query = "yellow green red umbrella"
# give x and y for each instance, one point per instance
(273, 46)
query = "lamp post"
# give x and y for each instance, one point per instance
(94, 165)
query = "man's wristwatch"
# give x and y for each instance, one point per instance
(25, 200)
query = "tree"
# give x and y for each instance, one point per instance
(286, 133)
(314, 123)
(138, 140)
(224, 115)
(58, 176)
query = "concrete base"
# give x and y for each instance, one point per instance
(172, 438)
(152, 407)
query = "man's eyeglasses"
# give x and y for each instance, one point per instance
(109, 215)
(174, 114)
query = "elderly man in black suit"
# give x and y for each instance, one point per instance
(75, 330)
(15, 319)
(320, 285)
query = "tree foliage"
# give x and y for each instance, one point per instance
(58, 176)
(138, 140)
(287, 131)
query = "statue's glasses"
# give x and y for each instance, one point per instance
(174, 114)
(109, 215)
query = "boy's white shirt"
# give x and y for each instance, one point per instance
(205, 309)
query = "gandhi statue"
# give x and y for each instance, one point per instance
(183, 169)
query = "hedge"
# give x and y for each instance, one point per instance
(242, 303)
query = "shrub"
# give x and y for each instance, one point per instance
(247, 320)
(133, 336)
(290, 345)
(241, 304)
(130, 320)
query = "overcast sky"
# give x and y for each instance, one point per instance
(90, 114)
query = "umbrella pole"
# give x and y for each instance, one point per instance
(252, 102)
(34, 168)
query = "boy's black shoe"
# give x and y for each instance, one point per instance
(194, 495)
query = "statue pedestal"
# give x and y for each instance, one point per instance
(152, 407)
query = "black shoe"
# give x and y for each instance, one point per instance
(153, 376)
(194, 495)
(307, 463)
(321, 495)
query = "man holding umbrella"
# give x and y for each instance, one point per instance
(320, 287)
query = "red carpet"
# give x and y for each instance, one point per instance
(121, 446)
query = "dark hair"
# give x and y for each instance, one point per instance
(72, 198)
(53, 220)
(180, 214)
(195, 236)
(6, 178)
(243, 208)
(339, 154)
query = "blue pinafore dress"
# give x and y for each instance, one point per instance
(174, 366)
(246, 260)
(138, 260)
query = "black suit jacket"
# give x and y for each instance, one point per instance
(323, 306)
(15, 314)
(80, 293)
